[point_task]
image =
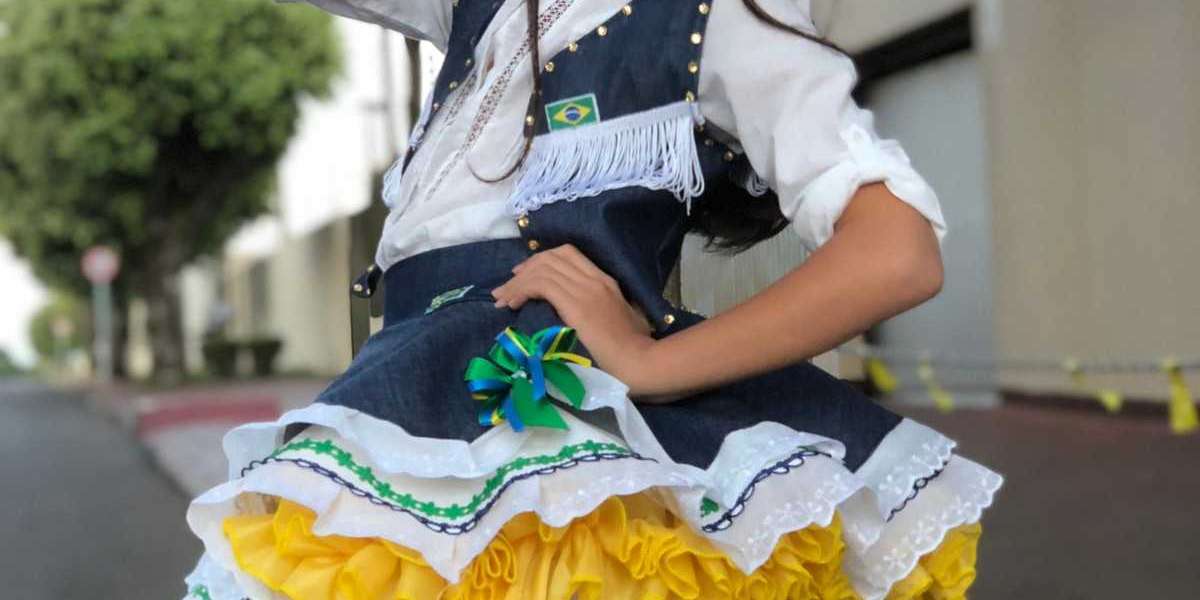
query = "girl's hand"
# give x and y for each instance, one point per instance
(588, 300)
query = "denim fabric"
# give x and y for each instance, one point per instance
(411, 372)
(641, 62)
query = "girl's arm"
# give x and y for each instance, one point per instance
(788, 101)
(882, 259)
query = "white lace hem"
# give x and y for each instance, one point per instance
(210, 581)
(790, 489)
(808, 494)
(955, 497)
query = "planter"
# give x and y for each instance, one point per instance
(220, 356)
(264, 351)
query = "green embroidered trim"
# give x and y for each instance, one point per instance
(572, 112)
(447, 296)
(200, 592)
(453, 511)
(708, 506)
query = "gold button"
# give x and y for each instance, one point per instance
(693, 67)
(703, 8)
(455, 3)
(602, 31)
(470, 61)
(529, 120)
(700, 128)
(708, 142)
(697, 38)
(669, 319)
(728, 156)
(627, 9)
(453, 85)
(358, 288)
(689, 96)
(550, 67)
(534, 245)
(572, 47)
(522, 221)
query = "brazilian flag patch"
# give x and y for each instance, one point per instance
(573, 112)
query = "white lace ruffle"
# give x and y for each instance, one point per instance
(908, 453)
(209, 580)
(957, 496)
(804, 496)
(751, 480)
(556, 499)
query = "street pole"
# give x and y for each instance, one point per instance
(102, 319)
(100, 266)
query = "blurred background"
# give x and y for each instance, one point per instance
(187, 190)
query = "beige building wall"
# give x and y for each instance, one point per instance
(1096, 148)
(860, 24)
(1094, 144)
(299, 293)
(711, 283)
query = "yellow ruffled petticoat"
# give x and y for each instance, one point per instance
(630, 547)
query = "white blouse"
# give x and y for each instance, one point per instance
(786, 100)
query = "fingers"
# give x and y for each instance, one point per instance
(571, 255)
(572, 263)
(566, 264)
(542, 285)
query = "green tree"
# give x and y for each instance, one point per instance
(61, 326)
(8, 368)
(150, 125)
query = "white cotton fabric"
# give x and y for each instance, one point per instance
(786, 101)
(427, 20)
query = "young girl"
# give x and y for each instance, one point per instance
(535, 420)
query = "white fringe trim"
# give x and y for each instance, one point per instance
(753, 183)
(655, 149)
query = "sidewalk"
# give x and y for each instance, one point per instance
(182, 428)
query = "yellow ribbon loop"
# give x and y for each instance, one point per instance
(941, 398)
(1110, 399)
(1182, 407)
(881, 377)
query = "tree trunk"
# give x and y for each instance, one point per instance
(120, 331)
(165, 313)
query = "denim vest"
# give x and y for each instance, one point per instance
(640, 72)
(626, 89)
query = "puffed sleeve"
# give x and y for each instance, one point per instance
(786, 100)
(421, 19)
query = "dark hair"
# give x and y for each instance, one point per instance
(729, 227)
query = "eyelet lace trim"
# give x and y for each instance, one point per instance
(208, 581)
(957, 497)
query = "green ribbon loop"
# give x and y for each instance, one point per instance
(513, 382)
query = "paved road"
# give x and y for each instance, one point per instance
(83, 513)
(1094, 507)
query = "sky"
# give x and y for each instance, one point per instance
(20, 297)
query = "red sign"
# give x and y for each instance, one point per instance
(101, 265)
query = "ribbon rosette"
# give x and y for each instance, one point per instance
(511, 381)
